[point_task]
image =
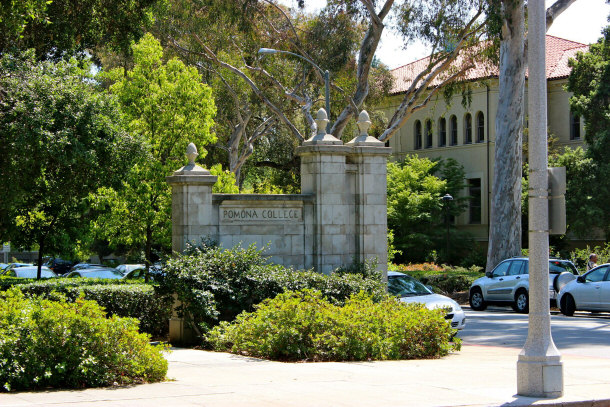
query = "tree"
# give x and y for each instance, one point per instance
(415, 209)
(589, 82)
(61, 139)
(505, 218)
(342, 38)
(60, 28)
(167, 105)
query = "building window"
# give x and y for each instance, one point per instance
(453, 129)
(480, 127)
(474, 204)
(418, 139)
(468, 128)
(574, 126)
(442, 132)
(428, 133)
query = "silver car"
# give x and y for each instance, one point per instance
(589, 292)
(411, 290)
(508, 284)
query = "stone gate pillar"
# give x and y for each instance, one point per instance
(192, 212)
(370, 194)
(323, 176)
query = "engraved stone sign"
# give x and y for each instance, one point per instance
(261, 212)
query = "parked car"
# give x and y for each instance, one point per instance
(59, 266)
(80, 266)
(589, 292)
(508, 283)
(411, 290)
(126, 268)
(17, 265)
(95, 272)
(3, 266)
(29, 272)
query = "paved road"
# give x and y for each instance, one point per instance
(584, 334)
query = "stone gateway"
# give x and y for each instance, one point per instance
(340, 215)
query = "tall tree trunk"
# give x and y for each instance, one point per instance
(505, 217)
(40, 253)
(148, 252)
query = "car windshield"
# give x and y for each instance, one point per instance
(101, 273)
(557, 267)
(406, 286)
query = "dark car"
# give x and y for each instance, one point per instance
(59, 266)
(96, 272)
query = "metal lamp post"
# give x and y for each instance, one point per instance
(446, 199)
(325, 74)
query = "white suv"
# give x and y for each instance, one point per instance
(508, 284)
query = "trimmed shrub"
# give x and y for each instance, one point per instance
(58, 343)
(120, 298)
(304, 326)
(216, 284)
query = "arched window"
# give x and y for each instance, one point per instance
(453, 130)
(468, 128)
(480, 127)
(442, 132)
(428, 133)
(574, 126)
(418, 139)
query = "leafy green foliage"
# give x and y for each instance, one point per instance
(121, 298)
(167, 105)
(580, 257)
(582, 209)
(226, 181)
(71, 344)
(216, 284)
(443, 279)
(416, 214)
(304, 326)
(589, 82)
(60, 28)
(61, 138)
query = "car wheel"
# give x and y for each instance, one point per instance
(567, 305)
(476, 300)
(521, 304)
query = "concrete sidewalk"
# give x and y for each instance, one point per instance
(475, 376)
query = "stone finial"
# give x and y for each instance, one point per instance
(191, 153)
(321, 121)
(363, 139)
(321, 137)
(191, 168)
(364, 123)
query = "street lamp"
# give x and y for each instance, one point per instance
(446, 199)
(325, 74)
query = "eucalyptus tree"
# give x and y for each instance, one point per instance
(505, 218)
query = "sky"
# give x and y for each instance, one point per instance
(581, 22)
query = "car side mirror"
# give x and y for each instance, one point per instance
(580, 279)
(488, 274)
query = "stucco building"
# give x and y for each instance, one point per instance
(467, 134)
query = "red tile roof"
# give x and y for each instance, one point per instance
(558, 52)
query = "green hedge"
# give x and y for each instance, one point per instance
(303, 325)
(55, 343)
(120, 298)
(446, 279)
(217, 284)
